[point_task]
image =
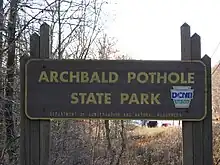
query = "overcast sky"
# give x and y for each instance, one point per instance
(150, 29)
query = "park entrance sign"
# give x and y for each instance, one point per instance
(119, 89)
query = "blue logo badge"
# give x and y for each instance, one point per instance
(182, 96)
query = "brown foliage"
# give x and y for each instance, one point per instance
(216, 91)
(86, 145)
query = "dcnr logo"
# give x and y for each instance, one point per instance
(181, 94)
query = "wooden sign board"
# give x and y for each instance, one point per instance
(115, 89)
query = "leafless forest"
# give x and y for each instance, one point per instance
(78, 32)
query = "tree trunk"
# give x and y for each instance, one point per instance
(8, 114)
(2, 137)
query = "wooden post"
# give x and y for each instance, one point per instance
(207, 122)
(45, 52)
(25, 122)
(194, 143)
(186, 126)
(35, 134)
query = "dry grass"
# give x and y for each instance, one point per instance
(85, 145)
(156, 146)
(139, 131)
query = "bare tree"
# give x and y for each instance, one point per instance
(216, 92)
(1, 75)
(77, 30)
(8, 113)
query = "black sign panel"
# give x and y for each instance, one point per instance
(115, 89)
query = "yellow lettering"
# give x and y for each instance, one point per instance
(74, 98)
(182, 78)
(124, 97)
(155, 98)
(131, 76)
(144, 98)
(62, 74)
(91, 99)
(133, 99)
(83, 97)
(113, 77)
(72, 76)
(161, 78)
(107, 99)
(141, 98)
(53, 76)
(95, 78)
(99, 95)
(176, 78)
(104, 80)
(84, 77)
(43, 77)
(191, 78)
(145, 77)
(152, 76)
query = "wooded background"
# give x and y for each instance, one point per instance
(78, 32)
